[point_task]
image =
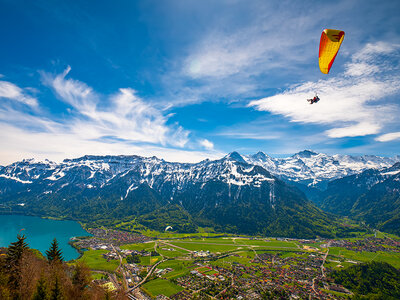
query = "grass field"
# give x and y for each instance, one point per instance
(180, 268)
(95, 261)
(171, 254)
(98, 275)
(161, 286)
(391, 258)
(141, 246)
(149, 260)
(199, 245)
(243, 258)
(269, 244)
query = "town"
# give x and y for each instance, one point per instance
(225, 267)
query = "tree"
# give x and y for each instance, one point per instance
(56, 293)
(40, 293)
(13, 259)
(134, 258)
(54, 253)
(15, 251)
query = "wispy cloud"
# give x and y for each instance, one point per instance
(371, 60)
(266, 43)
(11, 91)
(122, 116)
(121, 123)
(73, 92)
(355, 103)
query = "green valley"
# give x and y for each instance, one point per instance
(192, 266)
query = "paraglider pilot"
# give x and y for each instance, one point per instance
(313, 100)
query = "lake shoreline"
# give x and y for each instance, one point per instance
(40, 231)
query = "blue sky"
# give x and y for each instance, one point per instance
(188, 80)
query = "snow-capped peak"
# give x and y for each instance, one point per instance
(305, 154)
(235, 156)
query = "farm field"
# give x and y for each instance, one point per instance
(139, 247)
(95, 261)
(171, 254)
(161, 286)
(149, 260)
(180, 268)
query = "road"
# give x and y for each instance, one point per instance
(147, 276)
(321, 267)
(121, 267)
(323, 262)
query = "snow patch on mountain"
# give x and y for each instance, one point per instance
(390, 173)
(132, 187)
(56, 176)
(15, 179)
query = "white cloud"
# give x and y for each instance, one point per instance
(360, 129)
(366, 61)
(207, 144)
(360, 69)
(388, 137)
(122, 124)
(77, 94)
(372, 50)
(220, 56)
(353, 105)
(56, 146)
(11, 91)
(126, 117)
(273, 37)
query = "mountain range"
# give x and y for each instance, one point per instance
(372, 196)
(254, 194)
(317, 169)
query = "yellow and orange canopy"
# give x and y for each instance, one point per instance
(331, 39)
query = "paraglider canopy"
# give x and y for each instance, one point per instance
(329, 45)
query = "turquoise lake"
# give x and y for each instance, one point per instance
(40, 233)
